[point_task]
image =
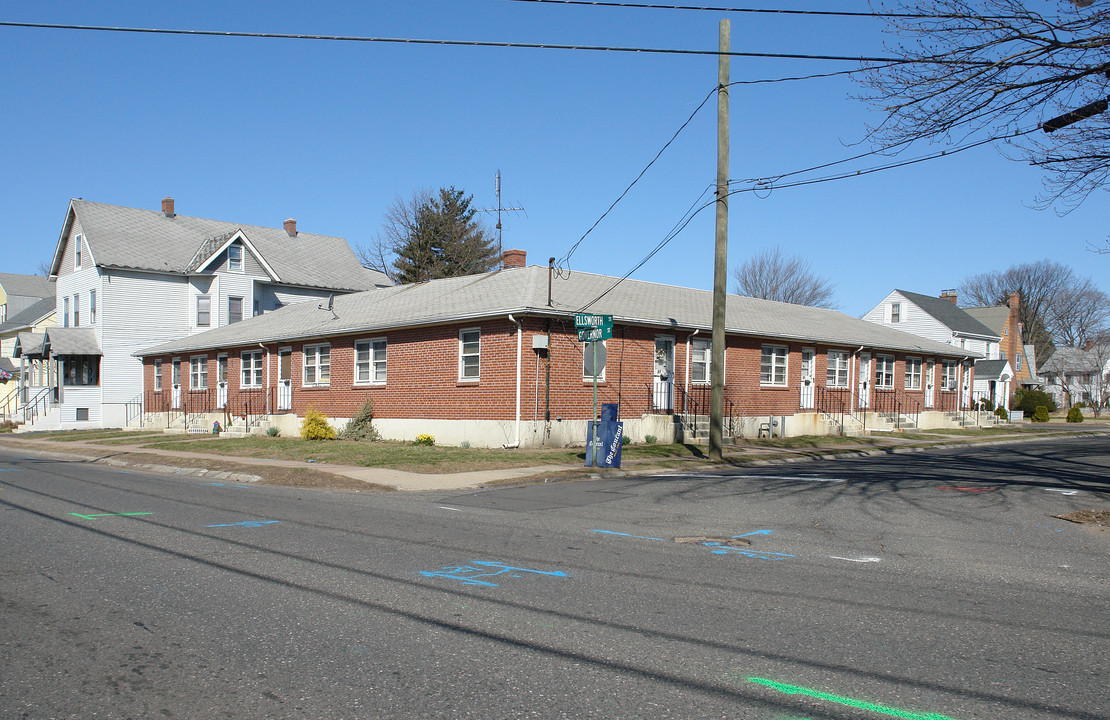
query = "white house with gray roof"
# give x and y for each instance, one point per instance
(494, 359)
(133, 278)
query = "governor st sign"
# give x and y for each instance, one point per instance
(593, 327)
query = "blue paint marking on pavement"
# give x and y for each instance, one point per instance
(754, 532)
(719, 549)
(247, 523)
(10, 469)
(640, 537)
(468, 574)
(216, 484)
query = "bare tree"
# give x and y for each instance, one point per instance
(1095, 382)
(1057, 306)
(999, 68)
(431, 236)
(770, 275)
(43, 268)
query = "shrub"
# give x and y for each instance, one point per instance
(423, 439)
(650, 439)
(1001, 413)
(315, 426)
(273, 431)
(1040, 414)
(1075, 415)
(986, 404)
(1028, 400)
(361, 426)
(625, 440)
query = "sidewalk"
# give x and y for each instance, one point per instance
(248, 469)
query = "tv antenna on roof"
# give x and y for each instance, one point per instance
(499, 209)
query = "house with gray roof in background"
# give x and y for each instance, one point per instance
(128, 278)
(941, 320)
(495, 360)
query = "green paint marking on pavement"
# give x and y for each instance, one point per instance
(96, 515)
(850, 702)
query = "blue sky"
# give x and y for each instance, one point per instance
(331, 133)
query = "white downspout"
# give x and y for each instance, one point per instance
(269, 389)
(519, 344)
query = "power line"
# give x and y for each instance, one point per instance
(764, 11)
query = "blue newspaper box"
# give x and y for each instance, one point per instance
(607, 452)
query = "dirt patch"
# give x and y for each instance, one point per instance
(1094, 517)
(727, 541)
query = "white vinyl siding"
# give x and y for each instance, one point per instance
(773, 365)
(470, 353)
(317, 365)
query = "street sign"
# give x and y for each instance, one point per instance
(594, 360)
(595, 333)
(582, 320)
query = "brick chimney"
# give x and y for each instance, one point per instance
(514, 259)
(167, 206)
(291, 227)
(949, 295)
(1013, 329)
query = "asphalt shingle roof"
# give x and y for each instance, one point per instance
(27, 285)
(525, 291)
(72, 341)
(989, 369)
(946, 312)
(993, 318)
(148, 240)
(28, 317)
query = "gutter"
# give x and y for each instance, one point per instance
(519, 343)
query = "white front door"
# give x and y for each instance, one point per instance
(930, 382)
(807, 378)
(965, 392)
(285, 379)
(175, 381)
(221, 381)
(864, 380)
(662, 392)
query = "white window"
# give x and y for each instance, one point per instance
(896, 312)
(317, 364)
(198, 372)
(470, 351)
(221, 369)
(913, 373)
(92, 307)
(79, 241)
(251, 363)
(76, 310)
(701, 354)
(235, 257)
(157, 375)
(65, 312)
(884, 371)
(204, 311)
(587, 351)
(370, 364)
(772, 365)
(948, 376)
(837, 371)
(234, 309)
(1017, 362)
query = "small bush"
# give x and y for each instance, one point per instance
(361, 426)
(1001, 413)
(1028, 400)
(273, 431)
(423, 439)
(1075, 415)
(1041, 414)
(986, 404)
(315, 426)
(464, 444)
(650, 439)
(625, 440)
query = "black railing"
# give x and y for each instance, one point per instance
(250, 404)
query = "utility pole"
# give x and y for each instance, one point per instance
(720, 259)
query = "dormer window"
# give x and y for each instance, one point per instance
(235, 258)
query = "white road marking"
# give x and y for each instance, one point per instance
(857, 560)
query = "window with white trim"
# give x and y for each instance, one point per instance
(470, 353)
(1017, 362)
(65, 312)
(235, 257)
(896, 312)
(76, 310)
(948, 375)
(317, 365)
(772, 365)
(92, 307)
(157, 375)
(251, 366)
(701, 355)
(913, 373)
(204, 310)
(370, 362)
(884, 371)
(198, 372)
(234, 309)
(836, 374)
(79, 241)
(587, 351)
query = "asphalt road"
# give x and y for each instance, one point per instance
(926, 586)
